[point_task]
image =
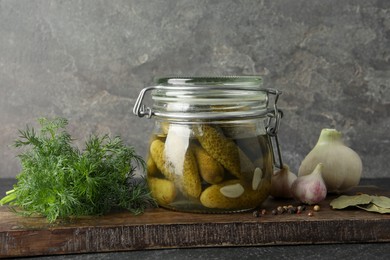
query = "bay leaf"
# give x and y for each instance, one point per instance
(345, 201)
(381, 201)
(374, 208)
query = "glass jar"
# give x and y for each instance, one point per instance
(211, 149)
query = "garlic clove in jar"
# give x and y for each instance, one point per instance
(310, 189)
(281, 182)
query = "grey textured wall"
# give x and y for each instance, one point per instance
(87, 60)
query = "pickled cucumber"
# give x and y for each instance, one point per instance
(212, 197)
(220, 148)
(158, 156)
(191, 182)
(185, 175)
(151, 168)
(162, 190)
(210, 170)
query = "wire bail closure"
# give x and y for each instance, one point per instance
(274, 117)
(272, 127)
(140, 109)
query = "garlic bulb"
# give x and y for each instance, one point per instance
(310, 189)
(281, 182)
(342, 166)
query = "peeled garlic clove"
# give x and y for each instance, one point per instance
(281, 182)
(257, 175)
(310, 189)
(232, 191)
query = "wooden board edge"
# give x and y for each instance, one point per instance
(143, 237)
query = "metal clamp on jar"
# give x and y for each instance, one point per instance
(211, 149)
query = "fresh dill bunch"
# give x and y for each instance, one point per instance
(59, 181)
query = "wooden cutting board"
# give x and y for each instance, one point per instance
(160, 228)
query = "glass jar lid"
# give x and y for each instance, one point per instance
(227, 97)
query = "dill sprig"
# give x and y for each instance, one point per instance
(59, 181)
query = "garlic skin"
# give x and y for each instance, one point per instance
(342, 166)
(310, 189)
(281, 182)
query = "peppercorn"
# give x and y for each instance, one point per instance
(274, 212)
(316, 208)
(310, 214)
(263, 211)
(256, 213)
(280, 209)
(291, 210)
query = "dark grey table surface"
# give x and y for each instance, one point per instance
(312, 252)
